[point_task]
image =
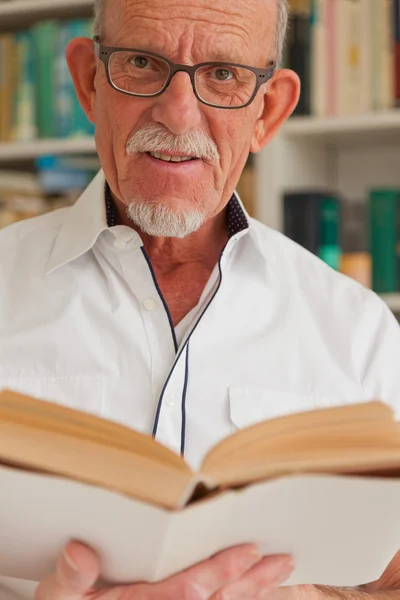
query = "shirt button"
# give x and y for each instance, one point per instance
(170, 401)
(150, 304)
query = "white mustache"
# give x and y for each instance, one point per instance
(156, 138)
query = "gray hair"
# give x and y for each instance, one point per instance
(99, 6)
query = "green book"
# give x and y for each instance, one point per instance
(82, 126)
(45, 45)
(384, 228)
(329, 231)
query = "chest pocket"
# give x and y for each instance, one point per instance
(80, 392)
(249, 406)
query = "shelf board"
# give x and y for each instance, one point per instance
(393, 301)
(379, 127)
(19, 13)
(22, 151)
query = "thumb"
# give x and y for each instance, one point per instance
(77, 571)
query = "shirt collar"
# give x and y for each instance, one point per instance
(86, 220)
(81, 226)
(237, 218)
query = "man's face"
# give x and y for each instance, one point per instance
(187, 32)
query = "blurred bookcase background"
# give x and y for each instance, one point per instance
(330, 179)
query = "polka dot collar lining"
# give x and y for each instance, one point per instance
(237, 220)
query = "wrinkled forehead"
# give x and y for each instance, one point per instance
(202, 29)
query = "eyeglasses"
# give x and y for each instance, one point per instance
(146, 75)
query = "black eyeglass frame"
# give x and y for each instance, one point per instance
(104, 53)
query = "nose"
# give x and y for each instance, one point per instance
(178, 108)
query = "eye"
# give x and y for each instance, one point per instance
(140, 62)
(223, 74)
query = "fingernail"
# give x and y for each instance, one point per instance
(70, 562)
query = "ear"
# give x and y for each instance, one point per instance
(279, 101)
(82, 66)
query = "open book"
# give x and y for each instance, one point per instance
(55, 439)
(301, 483)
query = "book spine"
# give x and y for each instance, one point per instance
(329, 231)
(8, 76)
(24, 100)
(365, 57)
(357, 265)
(90, 127)
(330, 12)
(64, 86)
(384, 216)
(375, 52)
(301, 219)
(347, 57)
(3, 84)
(45, 35)
(386, 55)
(396, 33)
(82, 127)
(318, 75)
(299, 52)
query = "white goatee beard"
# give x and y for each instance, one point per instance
(158, 220)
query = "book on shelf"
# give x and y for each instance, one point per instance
(37, 95)
(360, 239)
(384, 227)
(312, 219)
(290, 484)
(356, 257)
(344, 52)
(57, 182)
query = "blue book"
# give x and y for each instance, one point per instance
(65, 91)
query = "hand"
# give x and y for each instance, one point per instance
(236, 574)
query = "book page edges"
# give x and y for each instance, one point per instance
(110, 468)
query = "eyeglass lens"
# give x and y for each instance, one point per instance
(145, 75)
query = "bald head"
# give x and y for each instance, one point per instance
(282, 20)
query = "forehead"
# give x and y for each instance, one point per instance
(195, 29)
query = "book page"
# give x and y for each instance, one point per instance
(331, 439)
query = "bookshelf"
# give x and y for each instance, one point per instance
(346, 154)
(393, 301)
(357, 129)
(20, 152)
(18, 13)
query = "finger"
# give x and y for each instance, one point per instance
(76, 573)
(205, 579)
(260, 581)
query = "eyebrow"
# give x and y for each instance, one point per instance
(217, 56)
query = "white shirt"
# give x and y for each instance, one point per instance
(276, 331)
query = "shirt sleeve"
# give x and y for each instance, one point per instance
(376, 352)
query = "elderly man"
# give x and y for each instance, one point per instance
(156, 301)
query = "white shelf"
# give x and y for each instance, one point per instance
(359, 129)
(18, 151)
(14, 13)
(393, 301)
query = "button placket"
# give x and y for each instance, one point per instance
(155, 320)
(169, 430)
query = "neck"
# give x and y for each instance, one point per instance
(202, 247)
(182, 266)
(168, 254)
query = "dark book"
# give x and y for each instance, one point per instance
(384, 225)
(312, 219)
(396, 32)
(298, 52)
